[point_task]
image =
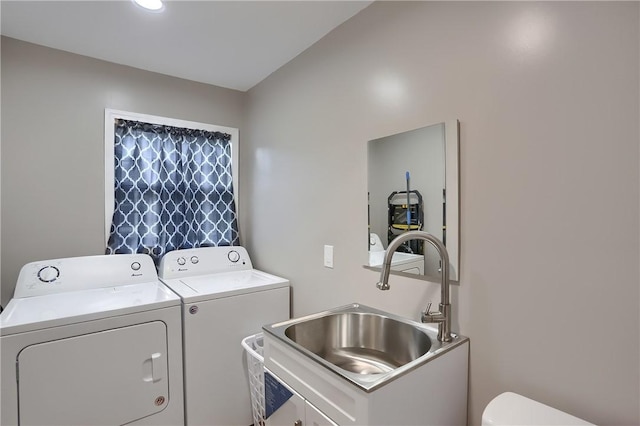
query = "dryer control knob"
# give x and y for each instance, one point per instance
(233, 256)
(48, 274)
(194, 259)
(181, 261)
(136, 266)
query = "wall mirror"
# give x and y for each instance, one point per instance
(418, 169)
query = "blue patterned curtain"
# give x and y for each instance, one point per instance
(173, 190)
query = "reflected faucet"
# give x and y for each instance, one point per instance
(443, 317)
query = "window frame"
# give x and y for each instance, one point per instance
(110, 115)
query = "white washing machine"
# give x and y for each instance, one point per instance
(93, 340)
(224, 301)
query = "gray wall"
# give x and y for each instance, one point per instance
(549, 176)
(53, 144)
(547, 98)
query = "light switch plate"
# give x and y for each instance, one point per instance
(328, 256)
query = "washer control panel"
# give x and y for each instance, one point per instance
(83, 273)
(48, 274)
(203, 260)
(233, 256)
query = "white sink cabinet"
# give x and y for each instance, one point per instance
(434, 393)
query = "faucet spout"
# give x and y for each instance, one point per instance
(443, 317)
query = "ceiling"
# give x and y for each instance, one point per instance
(233, 44)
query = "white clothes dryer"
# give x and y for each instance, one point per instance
(92, 340)
(224, 301)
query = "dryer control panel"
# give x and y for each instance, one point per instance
(204, 260)
(82, 273)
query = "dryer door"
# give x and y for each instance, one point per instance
(111, 377)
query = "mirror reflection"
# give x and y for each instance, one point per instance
(413, 185)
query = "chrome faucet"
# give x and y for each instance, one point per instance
(443, 317)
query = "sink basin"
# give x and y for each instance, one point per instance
(363, 345)
(361, 342)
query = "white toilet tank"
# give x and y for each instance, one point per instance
(512, 409)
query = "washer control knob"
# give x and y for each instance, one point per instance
(136, 266)
(233, 256)
(181, 261)
(48, 274)
(194, 259)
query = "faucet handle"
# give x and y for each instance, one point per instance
(426, 313)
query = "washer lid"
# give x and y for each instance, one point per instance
(215, 286)
(53, 310)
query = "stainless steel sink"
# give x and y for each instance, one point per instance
(363, 345)
(361, 342)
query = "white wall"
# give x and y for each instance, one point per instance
(547, 97)
(52, 144)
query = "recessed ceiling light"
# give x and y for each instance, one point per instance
(153, 5)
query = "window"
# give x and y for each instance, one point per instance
(169, 184)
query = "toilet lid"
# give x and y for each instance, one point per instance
(512, 409)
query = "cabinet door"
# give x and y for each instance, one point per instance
(316, 417)
(296, 411)
(291, 413)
